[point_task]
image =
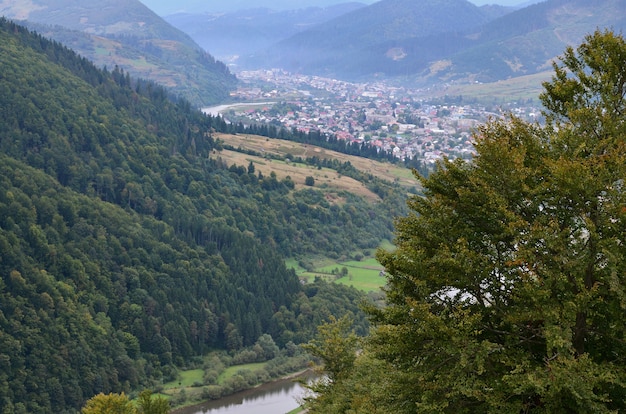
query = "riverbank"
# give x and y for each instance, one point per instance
(272, 395)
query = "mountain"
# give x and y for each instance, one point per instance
(129, 248)
(166, 7)
(241, 33)
(343, 46)
(526, 41)
(127, 34)
(442, 40)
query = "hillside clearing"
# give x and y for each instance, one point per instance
(278, 147)
(522, 88)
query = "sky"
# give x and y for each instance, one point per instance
(165, 7)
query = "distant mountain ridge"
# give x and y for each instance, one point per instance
(526, 41)
(329, 48)
(127, 34)
(442, 40)
(167, 7)
(103, 18)
(240, 33)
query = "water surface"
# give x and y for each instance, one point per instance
(278, 397)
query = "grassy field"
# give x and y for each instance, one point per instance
(193, 377)
(186, 379)
(364, 275)
(516, 89)
(365, 280)
(190, 381)
(187, 382)
(298, 172)
(230, 371)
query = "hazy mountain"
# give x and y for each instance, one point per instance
(128, 34)
(442, 40)
(526, 41)
(167, 7)
(233, 34)
(341, 46)
(493, 11)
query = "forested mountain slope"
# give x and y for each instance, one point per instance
(341, 47)
(125, 250)
(528, 40)
(127, 34)
(447, 40)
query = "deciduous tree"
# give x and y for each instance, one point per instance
(336, 346)
(507, 290)
(149, 404)
(109, 404)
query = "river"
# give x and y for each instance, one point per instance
(278, 397)
(216, 110)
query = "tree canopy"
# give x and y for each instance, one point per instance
(122, 232)
(508, 287)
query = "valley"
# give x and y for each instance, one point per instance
(122, 233)
(416, 126)
(331, 203)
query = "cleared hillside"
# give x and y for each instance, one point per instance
(298, 171)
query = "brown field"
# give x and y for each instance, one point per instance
(324, 178)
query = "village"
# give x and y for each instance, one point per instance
(393, 118)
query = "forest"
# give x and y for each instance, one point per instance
(506, 293)
(126, 251)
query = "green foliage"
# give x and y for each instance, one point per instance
(109, 404)
(149, 404)
(144, 45)
(267, 347)
(121, 241)
(506, 291)
(336, 347)
(318, 302)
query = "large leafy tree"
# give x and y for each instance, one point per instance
(507, 291)
(109, 404)
(336, 347)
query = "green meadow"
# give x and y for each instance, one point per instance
(231, 371)
(364, 274)
(186, 379)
